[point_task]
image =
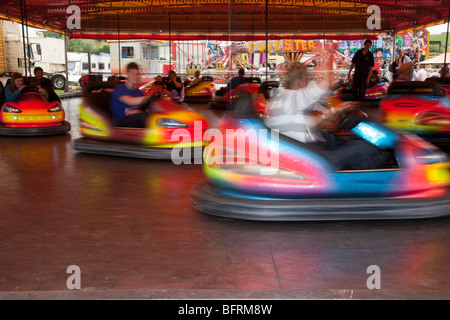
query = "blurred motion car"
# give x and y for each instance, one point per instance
(155, 141)
(223, 97)
(419, 107)
(201, 92)
(299, 183)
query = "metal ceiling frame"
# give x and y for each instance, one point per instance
(199, 19)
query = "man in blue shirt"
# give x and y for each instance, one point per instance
(126, 101)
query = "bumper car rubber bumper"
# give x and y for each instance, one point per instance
(125, 150)
(442, 142)
(192, 99)
(205, 198)
(35, 131)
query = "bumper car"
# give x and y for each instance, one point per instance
(224, 98)
(157, 87)
(373, 93)
(202, 92)
(445, 82)
(422, 108)
(303, 184)
(32, 115)
(170, 128)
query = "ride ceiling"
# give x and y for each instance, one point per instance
(225, 20)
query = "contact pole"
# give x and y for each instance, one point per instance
(170, 46)
(23, 36)
(446, 44)
(118, 41)
(66, 87)
(28, 38)
(267, 39)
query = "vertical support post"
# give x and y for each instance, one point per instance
(118, 43)
(65, 64)
(29, 51)
(267, 40)
(446, 44)
(89, 62)
(170, 46)
(22, 16)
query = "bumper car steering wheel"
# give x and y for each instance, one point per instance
(344, 121)
(350, 119)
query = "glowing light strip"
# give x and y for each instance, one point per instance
(224, 37)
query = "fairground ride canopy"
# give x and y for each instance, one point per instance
(236, 20)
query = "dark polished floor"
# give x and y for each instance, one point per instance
(129, 226)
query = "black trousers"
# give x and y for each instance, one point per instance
(359, 87)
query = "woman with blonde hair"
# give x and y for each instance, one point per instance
(290, 110)
(14, 89)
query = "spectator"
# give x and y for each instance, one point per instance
(401, 59)
(421, 74)
(406, 72)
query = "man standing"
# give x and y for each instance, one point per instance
(363, 63)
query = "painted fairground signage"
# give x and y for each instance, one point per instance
(214, 51)
(277, 46)
(381, 49)
(273, 46)
(253, 54)
(414, 43)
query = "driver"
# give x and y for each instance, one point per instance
(196, 80)
(45, 84)
(14, 88)
(34, 83)
(290, 110)
(126, 101)
(237, 80)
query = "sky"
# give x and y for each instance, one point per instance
(438, 29)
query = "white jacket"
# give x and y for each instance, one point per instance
(290, 111)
